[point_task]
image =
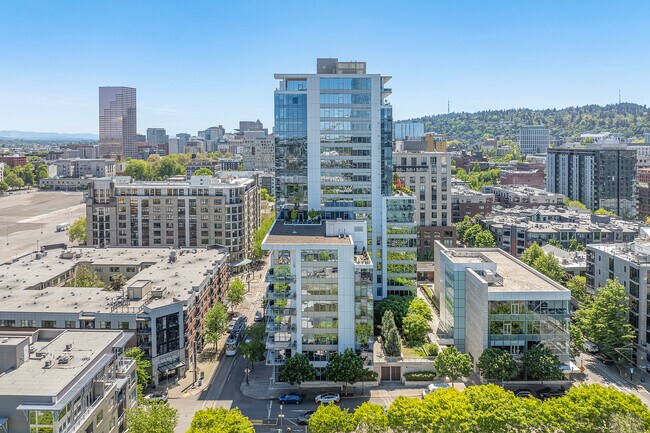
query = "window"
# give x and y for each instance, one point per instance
(7, 323)
(105, 325)
(100, 416)
(28, 323)
(123, 325)
(70, 324)
(48, 323)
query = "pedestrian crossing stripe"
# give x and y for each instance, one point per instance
(256, 421)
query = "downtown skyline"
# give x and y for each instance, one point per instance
(474, 55)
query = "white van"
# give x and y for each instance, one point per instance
(591, 347)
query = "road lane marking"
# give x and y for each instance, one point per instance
(269, 412)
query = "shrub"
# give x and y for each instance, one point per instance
(420, 375)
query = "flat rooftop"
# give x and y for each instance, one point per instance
(32, 379)
(299, 234)
(177, 279)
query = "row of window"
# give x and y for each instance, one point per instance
(69, 324)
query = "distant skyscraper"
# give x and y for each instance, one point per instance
(533, 140)
(647, 137)
(183, 137)
(157, 136)
(117, 122)
(404, 130)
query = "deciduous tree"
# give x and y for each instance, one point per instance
(541, 364)
(77, 231)
(419, 306)
(453, 364)
(532, 253)
(153, 417)
(344, 367)
(415, 329)
(203, 171)
(215, 324)
(142, 366)
(370, 418)
(235, 292)
(497, 364)
(485, 239)
(296, 370)
(331, 418)
(220, 420)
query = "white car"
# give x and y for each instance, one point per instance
(327, 398)
(433, 387)
(591, 347)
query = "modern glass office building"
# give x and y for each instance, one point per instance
(117, 122)
(333, 147)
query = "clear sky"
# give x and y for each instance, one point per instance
(197, 64)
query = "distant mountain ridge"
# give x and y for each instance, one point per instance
(30, 135)
(630, 119)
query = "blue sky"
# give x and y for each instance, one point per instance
(201, 63)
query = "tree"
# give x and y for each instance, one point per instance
(142, 366)
(575, 245)
(3, 186)
(220, 420)
(541, 364)
(41, 172)
(154, 417)
(215, 324)
(578, 287)
(398, 305)
(548, 265)
(497, 364)
(252, 350)
(331, 418)
(420, 307)
(77, 231)
(415, 329)
(604, 320)
(296, 370)
(574, 203)
(236, 292)
(602, 211)
(485, 239)
(84, 277)
(14, 181)
(555, 242)
(256, 331)
(118, 281)
(462, 227)
(469, 238)
(453, 364)
(27, 173)
(532, 253)
(577, 341)
(370, 418)
(203, 171)
(259, 235)
(137, 169)
(387, 322)
(392, 344)
(344, 367)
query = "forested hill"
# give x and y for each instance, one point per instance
(627, 118)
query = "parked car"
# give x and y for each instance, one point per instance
(523, 393)
(258, 316)
(157, 396)
(304, 418)
(546, 393)
(591, 347)
(328, 397)
(291, 398)
(432, 387)
(605, 359)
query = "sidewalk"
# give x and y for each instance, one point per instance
(207, 363)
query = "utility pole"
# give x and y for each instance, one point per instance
(195, 372)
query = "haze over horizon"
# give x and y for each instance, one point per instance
(479, 56)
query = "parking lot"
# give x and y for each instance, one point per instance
(30, 216)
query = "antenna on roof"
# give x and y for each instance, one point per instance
(619, 96)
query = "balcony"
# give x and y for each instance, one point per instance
(271, 326)
(274, 277)
(284, 311)
(280, 294)
(272, 343)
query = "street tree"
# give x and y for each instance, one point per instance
(421, 307)
(578, 287)
(203, 171)
(252, 350)
(215, 324)
(548, 265)
(235, 292)
(406, 415)
(370, 418)
(576, 340)
(415, 329)
(453, 364)
(497, 364)
(77, 231)
(331, 418)
(532, 253)
(14, 181)
(542, 364)
(296, 370)
(485, 239)
(153, 417)
(346, 367)
(256, 331)
(3, 186)
(220, 420)
(142, 366)
(604, 320)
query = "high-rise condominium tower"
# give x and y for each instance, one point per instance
(333, 151)
(117, 122)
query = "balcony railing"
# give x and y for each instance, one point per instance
(280, 327)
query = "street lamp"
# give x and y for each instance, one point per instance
(281, 416)
(247, 371)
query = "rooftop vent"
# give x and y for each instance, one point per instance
(48, 363)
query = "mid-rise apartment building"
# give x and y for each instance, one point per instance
(428, 176)
(628, 263)
(320, 290)
(198, 163)
(600, 175)
(163, 303)
(200, 212)
(490, 299)
(534, 140)
(65, 381)
(468, 202)
(523, 196)
(13, 160)
(515, 229)
(117, 122)
(78, 167)
(534, 178)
